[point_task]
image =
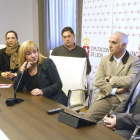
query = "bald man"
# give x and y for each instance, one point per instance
(115, 76)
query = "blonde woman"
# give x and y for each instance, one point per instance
(41, 76)
(9, 56)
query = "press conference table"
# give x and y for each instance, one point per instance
(29, 121)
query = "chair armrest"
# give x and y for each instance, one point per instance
(69, 95)
(134, 136)
(91, 92)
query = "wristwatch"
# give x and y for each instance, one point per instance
(116, 92)
(15, 74)
(108, 78)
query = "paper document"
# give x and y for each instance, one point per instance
(3, 136)
(5, 85)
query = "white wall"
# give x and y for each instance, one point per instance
(20, 16)
(35, 22)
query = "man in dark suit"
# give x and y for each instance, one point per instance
(127, 116)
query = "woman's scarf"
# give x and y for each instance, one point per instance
(13, 52)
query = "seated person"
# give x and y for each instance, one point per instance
(115, 76)
(9, 56)
(69, 48)
(41, 76)
(127, 116)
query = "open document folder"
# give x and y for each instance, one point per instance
(5, 85)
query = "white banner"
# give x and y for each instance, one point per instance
(126, 18)
(103, 17)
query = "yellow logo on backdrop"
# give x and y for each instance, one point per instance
(86, 41)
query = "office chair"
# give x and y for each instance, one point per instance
(72, 71)
(134, 135)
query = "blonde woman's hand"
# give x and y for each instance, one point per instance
(36, 92)
(29, 65)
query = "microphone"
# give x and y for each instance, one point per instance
(12, 101)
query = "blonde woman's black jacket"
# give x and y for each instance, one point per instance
(48, 80)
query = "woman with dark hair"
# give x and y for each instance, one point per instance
(41, 76)
(9, 56)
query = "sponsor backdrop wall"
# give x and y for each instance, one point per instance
(103, 17)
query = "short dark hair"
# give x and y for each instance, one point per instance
(11, 31)
(67, 29)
